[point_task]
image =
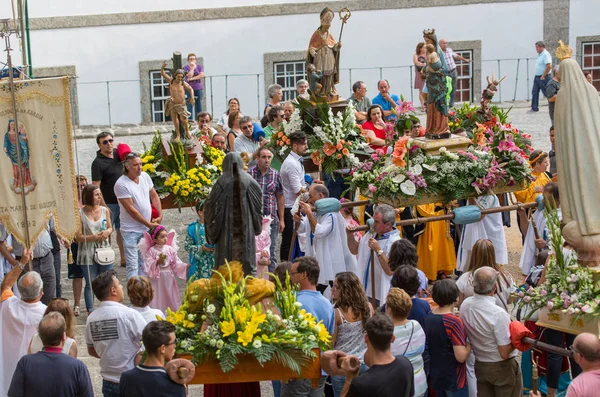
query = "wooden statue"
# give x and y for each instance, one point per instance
(487, 96)
(175, 105)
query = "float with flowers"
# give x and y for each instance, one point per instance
(238, 329)
(569, 298)
(334, 140)
(182, 177)
(421, 171)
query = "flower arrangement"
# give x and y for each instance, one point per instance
(174, 176)
(226, 318)
(405, 117)
(568, 287)
(409, 173)
(333, 140)
(468, 116)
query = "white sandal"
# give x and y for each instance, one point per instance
(76, 311)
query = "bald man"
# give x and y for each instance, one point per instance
(386, 100)
(323, 235)
(18, 317)
(487, 325)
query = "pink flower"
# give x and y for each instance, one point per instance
(405, 107)
(543, 292)
(372, 188)
(550, 305)
(374, 156)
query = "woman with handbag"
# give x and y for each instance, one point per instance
(94, 251)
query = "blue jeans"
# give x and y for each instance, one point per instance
(273, 247)
(337, 382)
(276, 388)
(464, 392)
(115, 212)
(90, 273)
(133, 256)
(110, 389)
(538, 84)
(197, 105)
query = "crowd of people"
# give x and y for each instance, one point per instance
(412, 312)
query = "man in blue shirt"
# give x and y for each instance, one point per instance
(305, 272)
(386, 100)
(50, 372)
(543, 65)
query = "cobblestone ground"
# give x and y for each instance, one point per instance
(536, 124)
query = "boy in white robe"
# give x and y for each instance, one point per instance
(323, 235)
(490, 227)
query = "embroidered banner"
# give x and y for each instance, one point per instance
(45, 136)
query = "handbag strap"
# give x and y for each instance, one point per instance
(410, 337)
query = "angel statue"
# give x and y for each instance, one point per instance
(162, 265)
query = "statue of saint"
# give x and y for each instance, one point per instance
(435, 76)
(323, 58)
(175, 106)
(577, 124)
(233, 215)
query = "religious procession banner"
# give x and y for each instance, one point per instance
(38, 148)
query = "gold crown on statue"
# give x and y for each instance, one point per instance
(564, 51)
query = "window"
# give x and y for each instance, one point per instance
(159, 92)
(286, 74)
(591, 61)
(464, 81)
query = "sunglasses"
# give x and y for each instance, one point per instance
(131, 155)
(106, 142)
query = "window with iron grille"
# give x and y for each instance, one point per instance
(591, 61)
(159, 93)
(464, 81)
(287, 74)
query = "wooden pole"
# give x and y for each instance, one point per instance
(373, 280)
(11, 84)
(450, 216)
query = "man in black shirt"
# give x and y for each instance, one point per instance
(150, 378)
(388, 376)
(107, 167)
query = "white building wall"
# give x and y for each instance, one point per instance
(583, 19)
(372, 39)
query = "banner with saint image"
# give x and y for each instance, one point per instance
(46, 163)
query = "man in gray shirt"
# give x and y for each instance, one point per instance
(360, 101)
(245, 142)
(42, 259)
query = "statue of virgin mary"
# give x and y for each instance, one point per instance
(577, 126)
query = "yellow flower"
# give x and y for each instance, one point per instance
(188, 324)
(323, 333)
(245, 337)
(227, 327)
(241, 316)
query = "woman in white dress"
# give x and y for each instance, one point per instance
(61, 306)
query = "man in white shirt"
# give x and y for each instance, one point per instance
(450, 56)
(384, 227)
(136, 195)
(113, 332)
(292, 180)
(487, 325)
(19, 318)
(323, 235)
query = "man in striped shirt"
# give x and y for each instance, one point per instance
(450, 56)
(270, 183)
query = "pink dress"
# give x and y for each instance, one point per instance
(162, 277)
(263, 243)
